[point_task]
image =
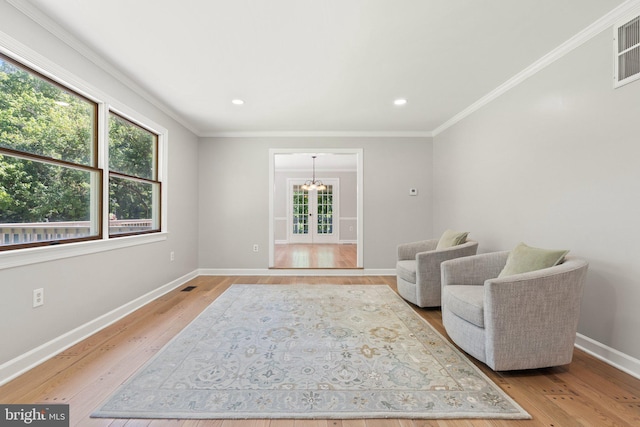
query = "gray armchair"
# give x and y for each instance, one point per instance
(523, 321)
(418, 269)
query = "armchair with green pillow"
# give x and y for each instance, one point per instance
(516, 309)
(418, 265)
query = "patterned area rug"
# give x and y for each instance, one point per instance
(309, 351)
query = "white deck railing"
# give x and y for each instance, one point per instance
(20, 233)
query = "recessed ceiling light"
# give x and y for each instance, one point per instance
(400, 101)
(237, 101)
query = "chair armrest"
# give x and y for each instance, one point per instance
(408, 251)
(473, 270)
(430, 261)
(529, 311)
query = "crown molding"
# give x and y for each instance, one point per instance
(319, 134)
(54, 28)
(565, 48)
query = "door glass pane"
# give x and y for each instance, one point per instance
(325, 210)
(300, 210)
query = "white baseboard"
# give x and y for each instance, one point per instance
(609, 355)
(295, 272)
(29, 360)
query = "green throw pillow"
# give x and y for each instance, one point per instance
(451, 238)
(525, 258)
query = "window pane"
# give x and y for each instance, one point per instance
(131, 205)
(300, 210)
(132, 149)
(39, 117)
(325, 210)
(44, 202)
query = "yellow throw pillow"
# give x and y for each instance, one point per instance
(523, 259)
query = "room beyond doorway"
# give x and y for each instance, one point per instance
(308, 228)
(315, 256)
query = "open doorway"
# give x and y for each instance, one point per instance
(315, 227)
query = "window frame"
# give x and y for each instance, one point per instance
(155, 180)
(91, 167)
(25, 58)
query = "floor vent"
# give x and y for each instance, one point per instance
(188, 289)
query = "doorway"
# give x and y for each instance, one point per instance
(309, 229)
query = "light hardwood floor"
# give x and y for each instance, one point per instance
(585, 393)
(315, 256)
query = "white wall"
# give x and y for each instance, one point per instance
(554, 163)
(79, 290)
(234, 196)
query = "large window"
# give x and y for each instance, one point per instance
(50, 186)
(52, 172)
(134, 189)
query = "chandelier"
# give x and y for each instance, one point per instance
(313, 184)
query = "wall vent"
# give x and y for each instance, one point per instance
(626, 41)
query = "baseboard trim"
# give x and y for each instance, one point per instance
(29, 360)
(295, 272)
(609, 355)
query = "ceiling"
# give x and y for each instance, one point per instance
(319, 65)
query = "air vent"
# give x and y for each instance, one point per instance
(627, 48)
(188, 289)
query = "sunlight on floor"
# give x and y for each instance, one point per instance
(315, 256)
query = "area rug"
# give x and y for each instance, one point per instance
(309, 351)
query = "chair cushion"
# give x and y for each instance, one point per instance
(407, 270)
(466, 302)
(451, 238)
(523, 259)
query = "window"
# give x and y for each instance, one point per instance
(325, 210)
(56, 185)
(300, 210)
(50, 186)
(134, 189)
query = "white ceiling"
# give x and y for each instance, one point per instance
(320, 65)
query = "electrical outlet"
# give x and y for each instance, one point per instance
(38, 297)
(413, 191)
(172, 256)
(255, 248)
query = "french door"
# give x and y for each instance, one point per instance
(313, 214)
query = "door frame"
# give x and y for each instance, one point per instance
(358, 152)
(335, 236)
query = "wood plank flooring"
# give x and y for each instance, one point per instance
(315, 256)
(585, 393)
